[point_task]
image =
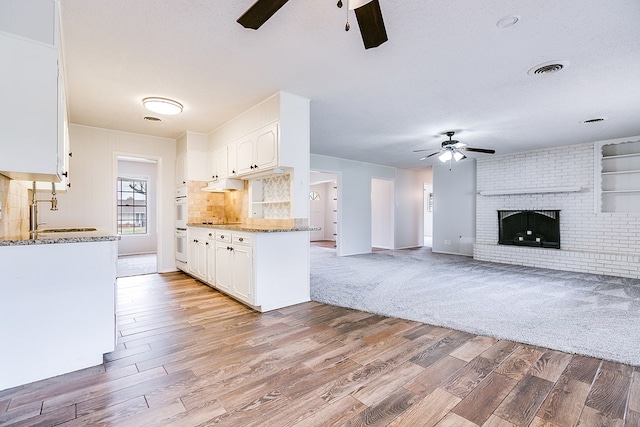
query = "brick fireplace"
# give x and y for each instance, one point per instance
(592, 242)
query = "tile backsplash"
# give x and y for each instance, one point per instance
(218, 208)
(14, 196)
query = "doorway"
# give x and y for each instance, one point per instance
(323, 208)
(136, 215)
(428, 215)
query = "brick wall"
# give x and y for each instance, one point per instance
(601, 243)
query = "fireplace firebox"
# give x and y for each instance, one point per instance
(529, 228)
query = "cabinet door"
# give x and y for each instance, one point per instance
(232, 162)
(221, 162)
(211, 262)
(192, 256)
(266, 147)
(223, 267)
(243, 273)
(202, 260)
(29, 147)
(244, 151)
(181, 169)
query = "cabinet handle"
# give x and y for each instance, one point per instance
(207, 244)
(251, 167)
(233, 172)
(195, 241)
(222, 236)
(255, 166)
(240, 239)
(210, 234)
(70, 154)
(65, 174)
(69, 185)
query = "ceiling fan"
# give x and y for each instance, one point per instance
(368, 14)
(453, 149)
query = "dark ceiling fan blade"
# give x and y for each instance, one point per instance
(260, 12)
(425, 149)
(371, 24)
(479, 150)
(432, 154)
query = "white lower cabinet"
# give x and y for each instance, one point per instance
(264, 270)
(234, 262)
(197, 254)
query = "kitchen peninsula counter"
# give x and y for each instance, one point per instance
(249, 228)
(264, 267)
(57, 301)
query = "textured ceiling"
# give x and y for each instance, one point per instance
(446, 66)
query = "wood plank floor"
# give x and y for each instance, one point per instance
(189, 356)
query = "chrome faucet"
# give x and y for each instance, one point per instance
(33, 211)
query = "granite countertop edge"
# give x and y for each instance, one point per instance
(253, 228)
(50, 240)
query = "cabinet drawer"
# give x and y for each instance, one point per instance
(242, 239)
(223, 236)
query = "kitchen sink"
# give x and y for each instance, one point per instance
(67, 230)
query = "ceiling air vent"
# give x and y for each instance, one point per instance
(547, 68)
(599, 119)
(152, 119)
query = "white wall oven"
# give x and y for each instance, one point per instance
(181, 245)
(181, 227)
(181, 207)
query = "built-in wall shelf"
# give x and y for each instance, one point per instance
(621, 172)
(617, 175)
(542, 190)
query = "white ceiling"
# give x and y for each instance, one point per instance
(446, 66)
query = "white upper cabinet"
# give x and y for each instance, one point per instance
(218, 163)
(258, 151)
(192, 158)
(33, 114)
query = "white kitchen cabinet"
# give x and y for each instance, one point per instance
(191, 158)
(197, 254)
(218, 163)
(211, 258)
(33, 112)
(234, 265)
(258, 151)
(181, 169)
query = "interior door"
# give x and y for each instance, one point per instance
(316, 212)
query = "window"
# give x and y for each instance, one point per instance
(132, 206)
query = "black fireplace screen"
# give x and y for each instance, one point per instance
(529, 228)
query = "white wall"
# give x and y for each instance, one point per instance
(454, 193)
(90, 202)
(141, 243)
(601, 243)
(354, 202)
(382, 208)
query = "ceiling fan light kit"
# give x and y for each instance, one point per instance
(453, 149)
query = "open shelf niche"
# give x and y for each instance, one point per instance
(618, 176)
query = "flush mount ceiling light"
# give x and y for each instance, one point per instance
(164, 106)
(550, 67)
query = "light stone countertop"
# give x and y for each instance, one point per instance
(44, 238)
(253, 228)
